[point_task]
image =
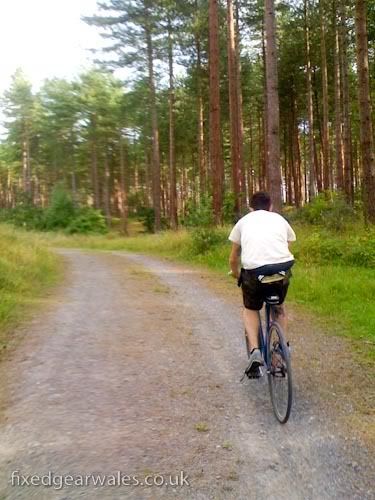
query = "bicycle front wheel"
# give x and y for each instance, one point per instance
(279, 373)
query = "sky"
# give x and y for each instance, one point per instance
(46, 38)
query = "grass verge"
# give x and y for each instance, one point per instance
(341, 295)
(27, 269)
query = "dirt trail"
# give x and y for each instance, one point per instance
(136, 369)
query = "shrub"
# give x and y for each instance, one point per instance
(61, 214)
(147, 217)
(228, 208)
(24, 215)
(200, 215)
(320, 247)
(204, 239)
(61, 211)
(332, 212)
(87, 220)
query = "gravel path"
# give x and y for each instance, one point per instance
(136, 369)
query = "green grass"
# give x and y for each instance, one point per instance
(27, 269)
(341, 294)
(328, 280)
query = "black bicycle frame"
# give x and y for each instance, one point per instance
(263, 336)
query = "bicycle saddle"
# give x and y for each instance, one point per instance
(272, 277)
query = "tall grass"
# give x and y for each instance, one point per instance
(27, 267)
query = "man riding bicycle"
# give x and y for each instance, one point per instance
(262, 238)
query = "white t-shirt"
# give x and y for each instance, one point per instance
(263, 237)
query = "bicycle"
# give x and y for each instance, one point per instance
(276, 354)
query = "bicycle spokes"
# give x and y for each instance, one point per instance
(277, 365)
(279, 373)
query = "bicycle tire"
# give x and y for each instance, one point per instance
(279, 373)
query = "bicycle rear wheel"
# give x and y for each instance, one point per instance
(279, 373)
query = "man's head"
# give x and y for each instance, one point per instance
(261, 201)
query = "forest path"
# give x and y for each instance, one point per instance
(136, 369)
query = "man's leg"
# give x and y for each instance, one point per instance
(280, 311)
(251, 321)
(253, 303)
(281, 317)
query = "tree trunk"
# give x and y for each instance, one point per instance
(172, 155)
(338, 113)
(294, 150)
(310, 112)
(288, 166)
(305, 165)
(262, 145)
(297, 155)
(106, 190)
(94, 173)
(216, 155)
(154, 125)
(250, 169)
(9, 189)
(201, 150)
(123, 190)
(325, 130)
(236, 157)
(347, 140)
(26, 164)
(74, 185)
(163, 192)
(292, 164)
(243, 182)
(263, 172)
(357, 180)
(366, 127)
(273, 125)
(317, 158)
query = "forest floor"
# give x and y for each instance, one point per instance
(135, 367)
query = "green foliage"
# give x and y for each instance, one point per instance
(321, 247)
(328, 210)
(228, 208)
(200, 215)
(73, 125)
(87, 221)
(61, 211)
(200, 221)
(147, 217)
(19, 107)
(24, 215)
(341, 294)
(136, 202)
(60, 215)
(26, 268)
(204, 239)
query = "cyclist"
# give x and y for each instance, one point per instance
(262, 239)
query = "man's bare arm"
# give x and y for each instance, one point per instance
(234, 260)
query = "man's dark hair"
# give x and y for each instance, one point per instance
(261, 201)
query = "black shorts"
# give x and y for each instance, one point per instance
(254, 292)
